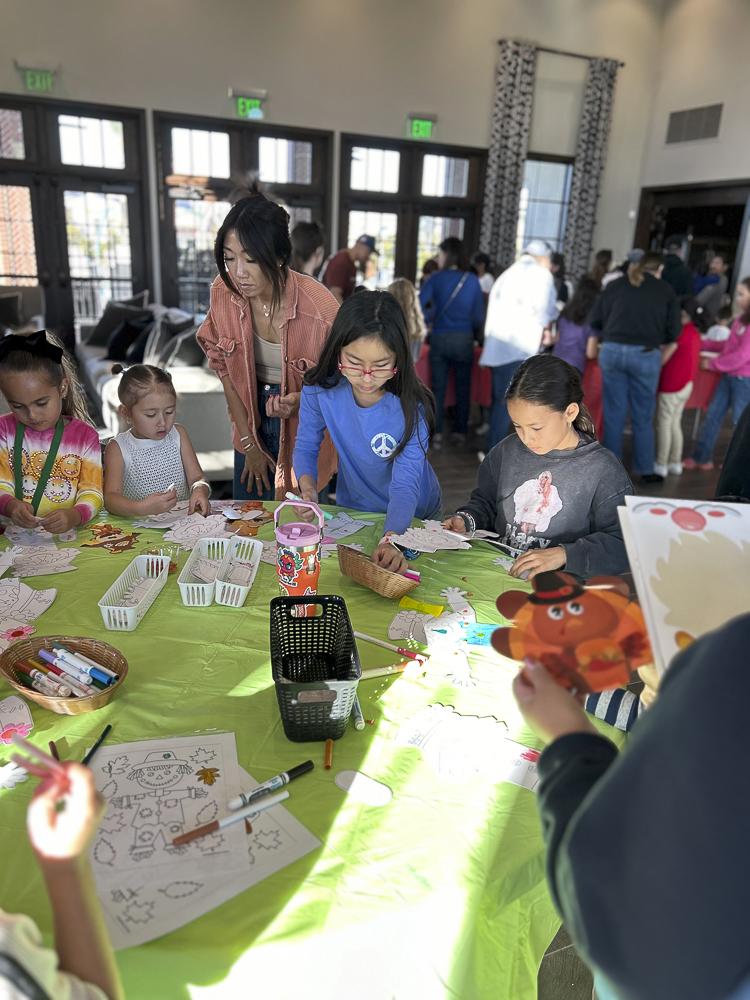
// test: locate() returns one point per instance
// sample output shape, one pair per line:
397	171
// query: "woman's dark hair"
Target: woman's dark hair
262	229
378	314
21	362
559	261
602	264
480	258
547	380
582	302
745	317
698	314
138	380
306	238
455	253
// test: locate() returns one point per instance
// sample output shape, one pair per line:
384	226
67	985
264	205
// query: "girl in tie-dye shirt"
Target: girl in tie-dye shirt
41	388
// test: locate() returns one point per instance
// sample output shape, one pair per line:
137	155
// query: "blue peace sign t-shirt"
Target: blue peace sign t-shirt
365	438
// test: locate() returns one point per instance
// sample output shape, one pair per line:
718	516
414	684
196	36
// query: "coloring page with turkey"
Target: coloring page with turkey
691	565
157	791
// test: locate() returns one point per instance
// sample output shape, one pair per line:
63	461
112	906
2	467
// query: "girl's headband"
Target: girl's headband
36	344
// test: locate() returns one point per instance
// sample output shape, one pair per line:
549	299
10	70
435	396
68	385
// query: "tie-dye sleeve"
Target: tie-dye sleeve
7	480
89	496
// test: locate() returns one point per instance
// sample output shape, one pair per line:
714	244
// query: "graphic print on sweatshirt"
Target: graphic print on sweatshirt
536	503
383	444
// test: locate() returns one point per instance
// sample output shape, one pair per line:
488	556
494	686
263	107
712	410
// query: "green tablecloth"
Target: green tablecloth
440	894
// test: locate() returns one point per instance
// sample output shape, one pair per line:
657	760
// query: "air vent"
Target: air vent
695	123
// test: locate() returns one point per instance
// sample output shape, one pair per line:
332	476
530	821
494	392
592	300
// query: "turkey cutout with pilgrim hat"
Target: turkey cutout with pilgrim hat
588	637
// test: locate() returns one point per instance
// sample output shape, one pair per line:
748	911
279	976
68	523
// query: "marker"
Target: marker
52	687
359	719
411	575
94	673
293	496
421	657
95	747
218	824
28	682
69	675
53	750
271	785
79	690
80	675
329	754
397	668
84	662
87	659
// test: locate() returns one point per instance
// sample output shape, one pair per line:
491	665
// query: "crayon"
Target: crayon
96	746
271	785
329	754
218	824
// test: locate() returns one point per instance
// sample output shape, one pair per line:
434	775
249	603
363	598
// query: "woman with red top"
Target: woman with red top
679	369
264	331
733	390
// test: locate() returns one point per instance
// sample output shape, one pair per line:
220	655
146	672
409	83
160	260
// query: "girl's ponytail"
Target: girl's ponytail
547	380
650	262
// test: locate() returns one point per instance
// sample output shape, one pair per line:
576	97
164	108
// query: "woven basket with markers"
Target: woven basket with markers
315	666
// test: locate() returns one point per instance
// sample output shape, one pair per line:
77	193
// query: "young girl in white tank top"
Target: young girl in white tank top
151	466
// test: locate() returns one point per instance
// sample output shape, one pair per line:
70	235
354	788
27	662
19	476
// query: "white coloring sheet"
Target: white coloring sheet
188	530
20	605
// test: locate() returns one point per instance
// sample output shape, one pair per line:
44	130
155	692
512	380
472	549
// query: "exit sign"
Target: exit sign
38	80
421	128
249	107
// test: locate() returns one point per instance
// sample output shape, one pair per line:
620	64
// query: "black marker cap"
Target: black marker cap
295	772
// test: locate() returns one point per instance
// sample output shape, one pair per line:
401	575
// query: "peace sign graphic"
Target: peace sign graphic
383	445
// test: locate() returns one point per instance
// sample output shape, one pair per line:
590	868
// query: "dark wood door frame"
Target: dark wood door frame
734	192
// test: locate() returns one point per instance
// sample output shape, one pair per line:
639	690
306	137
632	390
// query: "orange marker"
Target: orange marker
218	824
329	754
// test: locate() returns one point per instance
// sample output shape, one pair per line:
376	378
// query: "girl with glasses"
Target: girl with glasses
365	393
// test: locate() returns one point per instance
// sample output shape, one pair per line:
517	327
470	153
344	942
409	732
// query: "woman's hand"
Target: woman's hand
21	513
538	561
199	501
549	710
259	470
60	521
455	524
283	406
388	557
65	813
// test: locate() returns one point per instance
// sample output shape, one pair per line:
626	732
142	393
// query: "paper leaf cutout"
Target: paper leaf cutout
208	813
208	775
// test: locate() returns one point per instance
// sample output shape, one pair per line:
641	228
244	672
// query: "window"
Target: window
91	142
445	176
11	135
99	254
196	223
543	207
380	269
432	231
196	153
284	161
374	169
17	248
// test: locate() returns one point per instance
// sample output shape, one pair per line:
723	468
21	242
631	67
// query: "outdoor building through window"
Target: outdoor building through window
91	142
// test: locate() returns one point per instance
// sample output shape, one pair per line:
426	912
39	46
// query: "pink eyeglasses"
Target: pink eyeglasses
377	373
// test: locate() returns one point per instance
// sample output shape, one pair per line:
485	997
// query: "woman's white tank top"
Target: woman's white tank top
152	466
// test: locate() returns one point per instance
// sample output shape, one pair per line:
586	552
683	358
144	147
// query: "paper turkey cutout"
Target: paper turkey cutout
589	637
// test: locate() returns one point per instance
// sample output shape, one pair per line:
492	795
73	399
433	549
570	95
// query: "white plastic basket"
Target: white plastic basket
194	593
240	550
118	616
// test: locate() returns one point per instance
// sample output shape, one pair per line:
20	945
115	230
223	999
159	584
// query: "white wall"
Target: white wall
348	65
703	60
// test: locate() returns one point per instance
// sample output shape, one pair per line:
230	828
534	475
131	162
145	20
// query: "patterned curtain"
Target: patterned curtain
509	143
593	136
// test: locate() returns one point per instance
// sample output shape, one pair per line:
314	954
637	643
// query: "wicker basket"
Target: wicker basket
358	567
102	652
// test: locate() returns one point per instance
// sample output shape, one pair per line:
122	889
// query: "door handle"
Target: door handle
63	279
44	279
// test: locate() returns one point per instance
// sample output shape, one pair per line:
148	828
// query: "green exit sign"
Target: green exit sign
249	107
38	80
421	128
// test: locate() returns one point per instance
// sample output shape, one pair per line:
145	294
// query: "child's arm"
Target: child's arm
310	433
481	505
592	347
602	551
667	350
60	838
200	491
116	503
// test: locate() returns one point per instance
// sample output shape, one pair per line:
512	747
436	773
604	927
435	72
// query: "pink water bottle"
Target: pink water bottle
298	556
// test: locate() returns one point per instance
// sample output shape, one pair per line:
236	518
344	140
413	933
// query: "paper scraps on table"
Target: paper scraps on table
138	910
411	623
167	519
589	637
41	560
477	633
480	534
28	536
20	605
505	561
460	747
68	536
15	717
106	536
422	540
363	788
249	524
11	775
189	530
343	525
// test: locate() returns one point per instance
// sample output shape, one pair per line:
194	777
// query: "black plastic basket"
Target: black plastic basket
315	666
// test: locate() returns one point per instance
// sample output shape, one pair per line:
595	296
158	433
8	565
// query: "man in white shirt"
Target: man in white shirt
522	304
